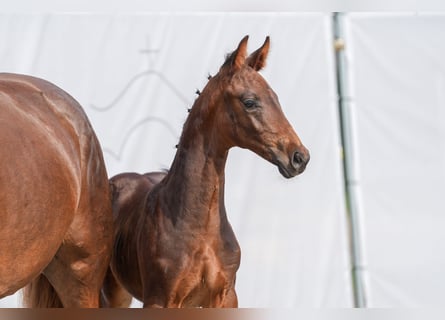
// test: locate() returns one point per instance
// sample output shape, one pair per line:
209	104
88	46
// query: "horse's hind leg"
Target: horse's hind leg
78	269
76	276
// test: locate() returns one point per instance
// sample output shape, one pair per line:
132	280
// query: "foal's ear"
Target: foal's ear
238	57
257	60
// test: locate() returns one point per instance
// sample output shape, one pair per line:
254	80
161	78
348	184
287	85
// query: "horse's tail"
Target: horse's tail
41	294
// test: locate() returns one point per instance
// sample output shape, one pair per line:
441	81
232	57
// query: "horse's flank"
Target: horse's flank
54	199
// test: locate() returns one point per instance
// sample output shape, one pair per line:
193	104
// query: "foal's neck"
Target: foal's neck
194	186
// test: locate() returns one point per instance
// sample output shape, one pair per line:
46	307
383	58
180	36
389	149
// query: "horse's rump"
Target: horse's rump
51	162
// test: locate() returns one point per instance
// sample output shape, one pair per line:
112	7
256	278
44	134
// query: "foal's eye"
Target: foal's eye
250	103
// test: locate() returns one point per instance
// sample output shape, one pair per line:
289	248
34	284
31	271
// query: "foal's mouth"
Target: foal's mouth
288	171
285	172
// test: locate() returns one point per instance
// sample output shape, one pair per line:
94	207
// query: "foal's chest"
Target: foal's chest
205	277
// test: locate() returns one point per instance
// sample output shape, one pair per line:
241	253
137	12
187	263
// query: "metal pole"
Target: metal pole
350	170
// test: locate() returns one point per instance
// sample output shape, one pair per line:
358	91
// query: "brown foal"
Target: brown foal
174	245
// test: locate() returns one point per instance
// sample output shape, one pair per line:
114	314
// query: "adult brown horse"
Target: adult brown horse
174	246
56	222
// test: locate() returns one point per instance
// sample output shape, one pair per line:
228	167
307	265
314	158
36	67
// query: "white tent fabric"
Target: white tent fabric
136	74
397	76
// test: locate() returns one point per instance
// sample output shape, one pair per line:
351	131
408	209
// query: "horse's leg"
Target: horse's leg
230	300
78	270
71	278
113	294
157	301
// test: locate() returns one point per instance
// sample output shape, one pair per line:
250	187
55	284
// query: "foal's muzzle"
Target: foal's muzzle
295	164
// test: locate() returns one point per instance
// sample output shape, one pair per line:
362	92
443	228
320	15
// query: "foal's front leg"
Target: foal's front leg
225	299
155	293
230	300
161	300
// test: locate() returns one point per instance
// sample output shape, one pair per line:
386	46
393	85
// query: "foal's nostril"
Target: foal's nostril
299	159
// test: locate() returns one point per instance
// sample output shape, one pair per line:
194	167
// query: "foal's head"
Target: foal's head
247	113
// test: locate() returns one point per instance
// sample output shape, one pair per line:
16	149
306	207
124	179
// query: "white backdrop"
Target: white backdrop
397	69
136	74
